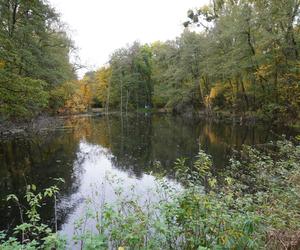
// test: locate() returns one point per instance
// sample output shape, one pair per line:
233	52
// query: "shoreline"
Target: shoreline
45	123
35	125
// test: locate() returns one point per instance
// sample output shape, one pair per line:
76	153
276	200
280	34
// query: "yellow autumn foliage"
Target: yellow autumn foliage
78	97
2	64
102	83
216	90
263	71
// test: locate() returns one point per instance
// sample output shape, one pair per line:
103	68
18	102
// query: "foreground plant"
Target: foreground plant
32	233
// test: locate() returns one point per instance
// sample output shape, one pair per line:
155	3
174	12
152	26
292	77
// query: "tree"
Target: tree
244	60
34	52
253	51
131	83
103	86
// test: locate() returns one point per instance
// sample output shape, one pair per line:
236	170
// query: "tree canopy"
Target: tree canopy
34	56
244	59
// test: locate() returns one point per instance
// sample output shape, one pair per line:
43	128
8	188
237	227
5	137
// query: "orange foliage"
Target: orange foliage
79	98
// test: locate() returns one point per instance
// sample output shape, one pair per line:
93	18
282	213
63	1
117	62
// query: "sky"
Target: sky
99	27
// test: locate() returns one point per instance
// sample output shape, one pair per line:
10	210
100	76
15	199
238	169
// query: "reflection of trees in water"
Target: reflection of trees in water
143	140
139	141
131	145
135	144
218	139
37	160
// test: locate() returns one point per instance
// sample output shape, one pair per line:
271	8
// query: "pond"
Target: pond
135	149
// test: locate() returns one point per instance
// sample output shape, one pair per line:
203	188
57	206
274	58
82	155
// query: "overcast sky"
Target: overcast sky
101	26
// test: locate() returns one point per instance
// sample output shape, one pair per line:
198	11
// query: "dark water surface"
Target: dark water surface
86	148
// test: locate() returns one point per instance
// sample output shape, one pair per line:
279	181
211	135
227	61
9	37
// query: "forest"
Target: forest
131	162
236	57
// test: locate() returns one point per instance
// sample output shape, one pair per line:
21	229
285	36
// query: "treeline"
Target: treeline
245	60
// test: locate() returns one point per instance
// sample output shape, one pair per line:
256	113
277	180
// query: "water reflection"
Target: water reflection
98	172
87	147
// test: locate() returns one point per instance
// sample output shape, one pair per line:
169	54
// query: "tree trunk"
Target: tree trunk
121	98
245	95
107	100
14	17
127	97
